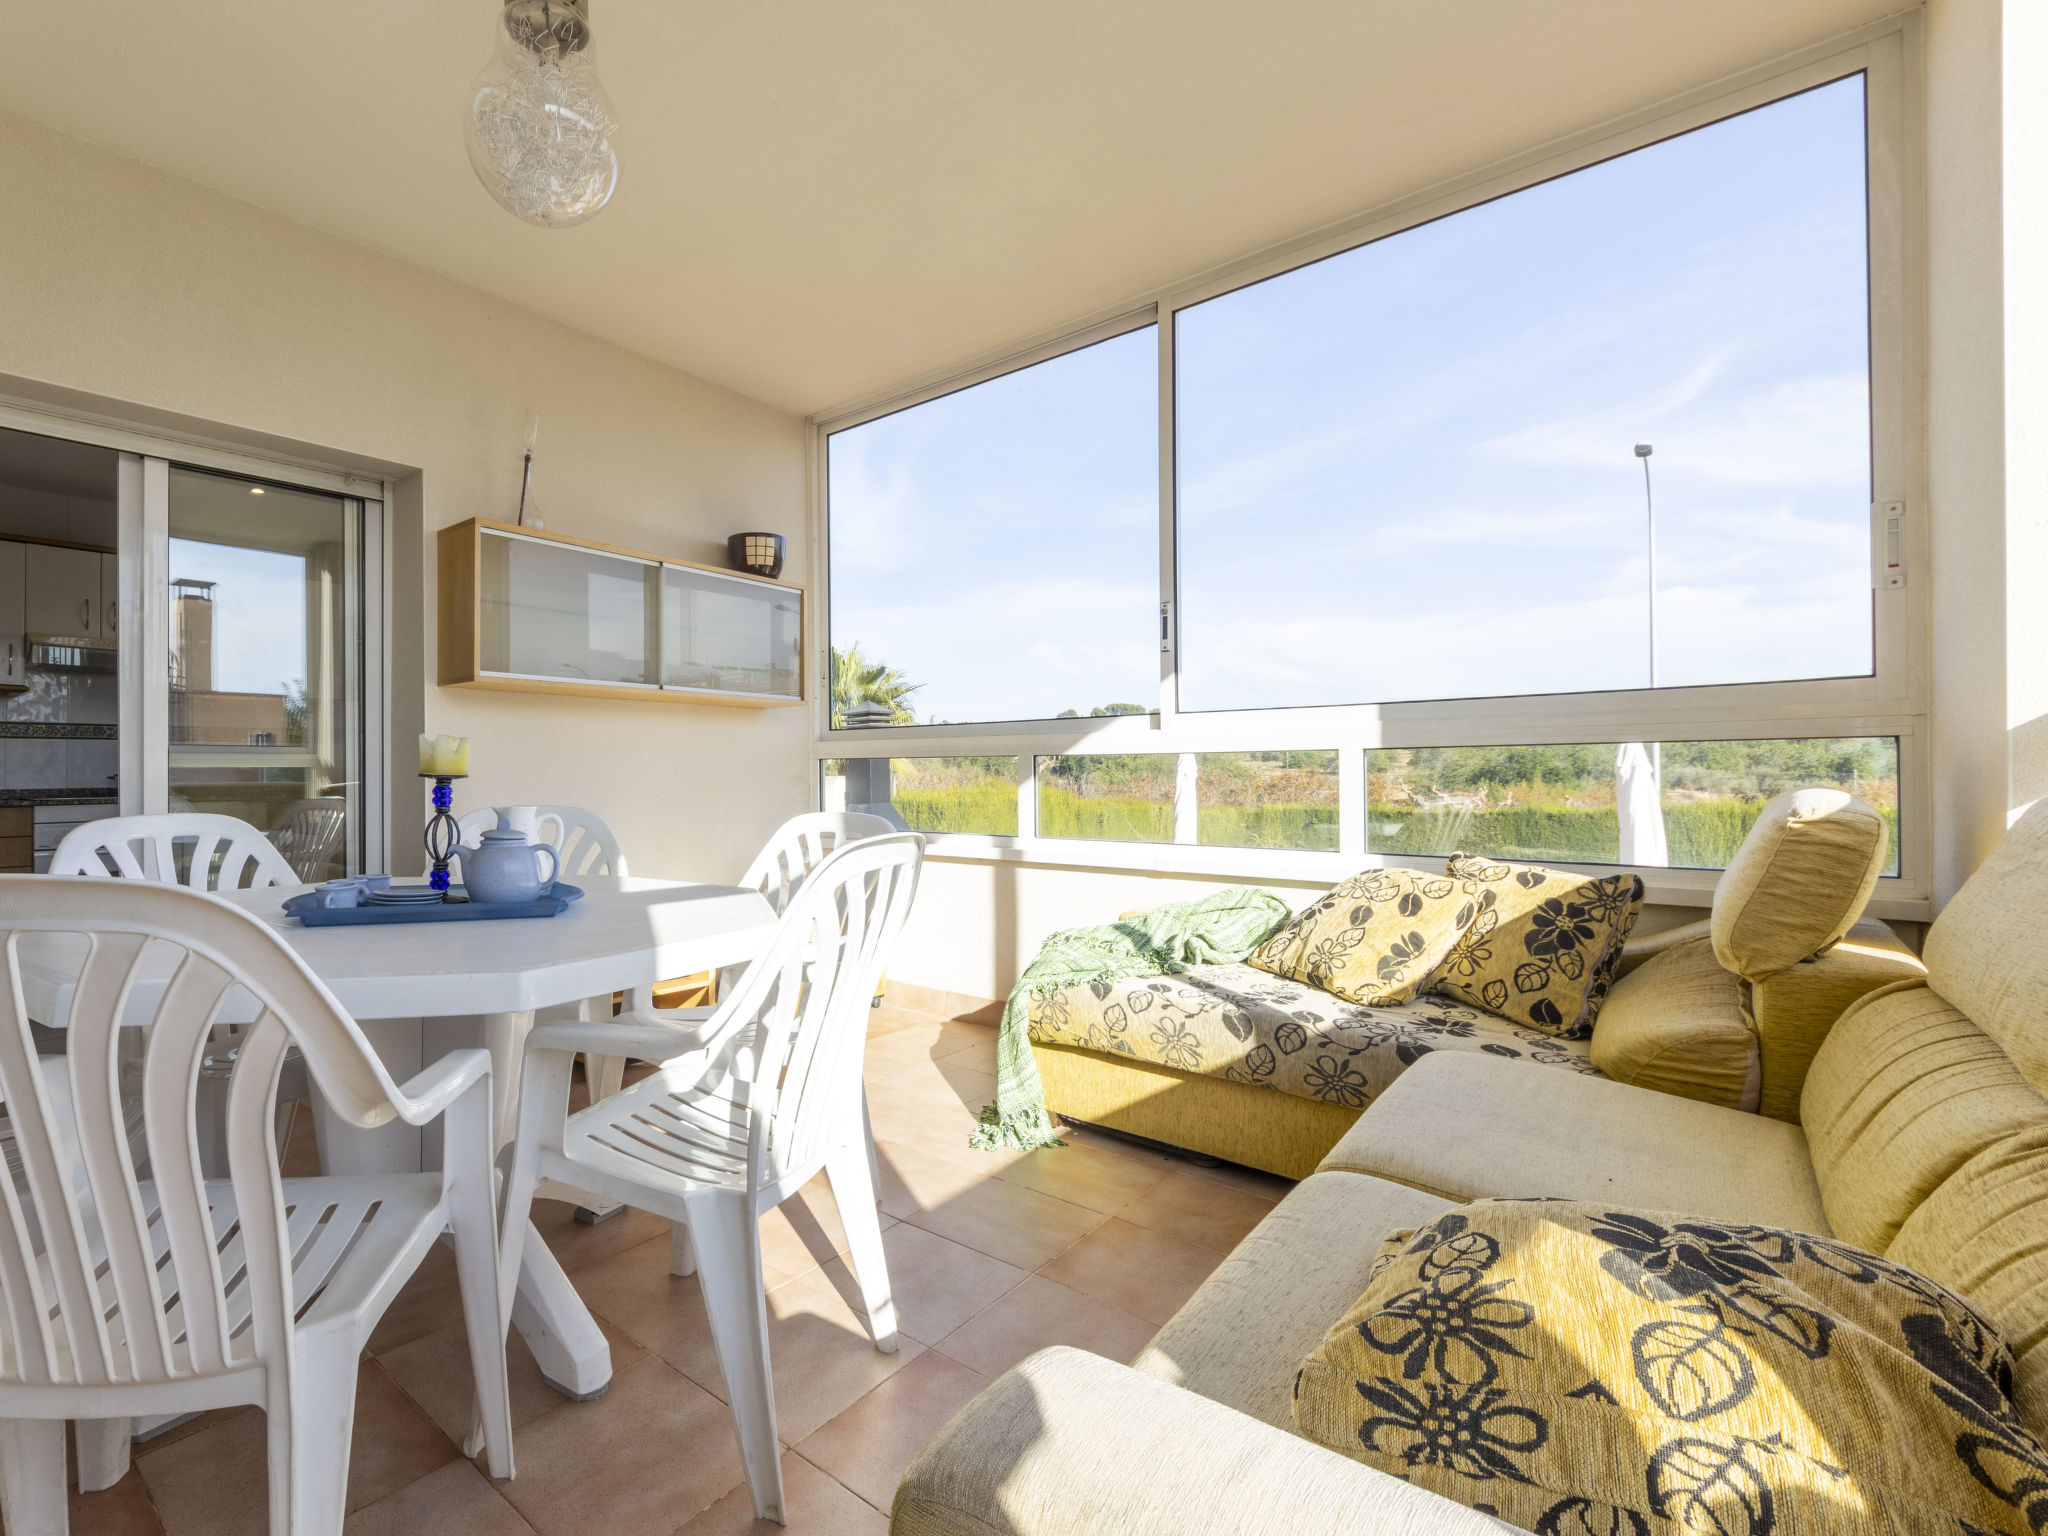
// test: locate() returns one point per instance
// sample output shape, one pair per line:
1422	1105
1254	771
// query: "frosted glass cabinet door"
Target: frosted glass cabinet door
730	634
559	611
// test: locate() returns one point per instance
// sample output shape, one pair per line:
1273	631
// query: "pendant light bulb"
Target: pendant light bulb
539	129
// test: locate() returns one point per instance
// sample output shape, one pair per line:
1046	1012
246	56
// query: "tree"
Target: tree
856	680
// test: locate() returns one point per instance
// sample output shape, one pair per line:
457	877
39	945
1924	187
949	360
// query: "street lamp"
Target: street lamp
1643	452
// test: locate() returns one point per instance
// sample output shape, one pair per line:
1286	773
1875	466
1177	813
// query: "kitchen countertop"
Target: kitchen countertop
16	798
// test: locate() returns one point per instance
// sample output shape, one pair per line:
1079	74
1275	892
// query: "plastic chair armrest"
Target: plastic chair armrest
427	1095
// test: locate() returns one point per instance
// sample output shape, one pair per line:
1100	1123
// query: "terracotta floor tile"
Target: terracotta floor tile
868	1446
948	1078
430	1301
301	1158
940	1131
213	1483
649	1455
1101	1180
937	1284
974	1046
1147	1274
1199	1211
122	1510
1109	1141
928	1041
1037	1314
457	1500
914	1178
191	1426
1009	1222
395	1441
435	1373
818	1348
634	1292
887	1021
814	1503
1255	1180
804	1231
576	1245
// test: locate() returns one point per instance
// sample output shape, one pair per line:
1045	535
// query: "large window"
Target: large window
1572	805
1410	471
995	552
1618	447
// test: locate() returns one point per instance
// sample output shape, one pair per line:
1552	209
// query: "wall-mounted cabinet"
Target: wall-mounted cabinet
541	613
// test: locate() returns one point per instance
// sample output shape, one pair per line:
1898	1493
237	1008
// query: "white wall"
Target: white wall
1987	259
151	298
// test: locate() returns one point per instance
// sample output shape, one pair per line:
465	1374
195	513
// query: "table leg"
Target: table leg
572	1353
566	1341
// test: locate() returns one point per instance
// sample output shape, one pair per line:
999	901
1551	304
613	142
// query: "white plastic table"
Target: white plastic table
420	990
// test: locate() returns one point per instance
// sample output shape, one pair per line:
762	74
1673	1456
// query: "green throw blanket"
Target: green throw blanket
1216	930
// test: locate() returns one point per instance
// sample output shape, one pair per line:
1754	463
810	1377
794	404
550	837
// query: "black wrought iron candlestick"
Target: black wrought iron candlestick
442	832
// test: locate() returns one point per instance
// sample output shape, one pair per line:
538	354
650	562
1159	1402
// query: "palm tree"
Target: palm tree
856	680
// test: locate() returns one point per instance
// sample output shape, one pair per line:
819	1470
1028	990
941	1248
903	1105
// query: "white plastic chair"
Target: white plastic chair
309	835
189	848
778	872
124	1297
582	840
738	1116
584	844
205	853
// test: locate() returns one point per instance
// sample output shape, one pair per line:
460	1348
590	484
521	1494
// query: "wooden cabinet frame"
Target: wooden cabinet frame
460	598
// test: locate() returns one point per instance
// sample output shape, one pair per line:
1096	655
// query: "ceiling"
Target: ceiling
822	200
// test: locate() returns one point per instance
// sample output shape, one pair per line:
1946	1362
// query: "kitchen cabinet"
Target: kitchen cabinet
64	592
110	598
541	613
13	614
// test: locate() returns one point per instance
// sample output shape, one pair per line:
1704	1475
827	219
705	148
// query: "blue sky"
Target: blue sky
259	613
1406	471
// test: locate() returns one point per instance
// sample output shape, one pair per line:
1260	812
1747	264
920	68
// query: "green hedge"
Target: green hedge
989	808
1703	835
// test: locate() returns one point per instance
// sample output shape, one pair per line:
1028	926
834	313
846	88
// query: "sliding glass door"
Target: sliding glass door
264	617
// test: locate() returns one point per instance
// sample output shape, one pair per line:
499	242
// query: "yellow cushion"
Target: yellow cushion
1577	1368
1986	953
1680	1024
1374	939
1905	1091
1800	878
1984	1232
1794	1010
1543	946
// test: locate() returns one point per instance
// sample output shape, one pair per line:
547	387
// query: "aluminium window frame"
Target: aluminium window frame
1892	701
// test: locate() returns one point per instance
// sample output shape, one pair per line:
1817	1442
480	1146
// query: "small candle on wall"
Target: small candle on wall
444	756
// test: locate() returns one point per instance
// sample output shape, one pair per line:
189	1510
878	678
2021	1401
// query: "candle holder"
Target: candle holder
442	833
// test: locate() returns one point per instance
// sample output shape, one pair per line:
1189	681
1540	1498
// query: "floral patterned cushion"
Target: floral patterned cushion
1235	1022
1374	939
1542	947
1569	1367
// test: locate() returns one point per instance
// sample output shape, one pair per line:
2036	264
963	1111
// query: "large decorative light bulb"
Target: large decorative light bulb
539	128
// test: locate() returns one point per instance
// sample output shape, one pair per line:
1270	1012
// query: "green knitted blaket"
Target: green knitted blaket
1216	930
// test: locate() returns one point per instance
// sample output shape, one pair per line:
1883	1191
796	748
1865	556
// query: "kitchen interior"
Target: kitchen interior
60	706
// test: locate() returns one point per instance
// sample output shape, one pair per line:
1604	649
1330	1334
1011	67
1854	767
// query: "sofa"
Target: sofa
1233	1062
1922	1137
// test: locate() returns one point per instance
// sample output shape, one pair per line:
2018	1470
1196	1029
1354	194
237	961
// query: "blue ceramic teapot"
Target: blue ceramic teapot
505	868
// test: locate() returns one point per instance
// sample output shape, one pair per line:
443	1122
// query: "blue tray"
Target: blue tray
460	910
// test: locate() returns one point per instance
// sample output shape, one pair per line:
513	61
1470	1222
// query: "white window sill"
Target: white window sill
1270	866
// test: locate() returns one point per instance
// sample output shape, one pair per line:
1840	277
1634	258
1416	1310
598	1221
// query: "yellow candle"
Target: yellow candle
446	756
